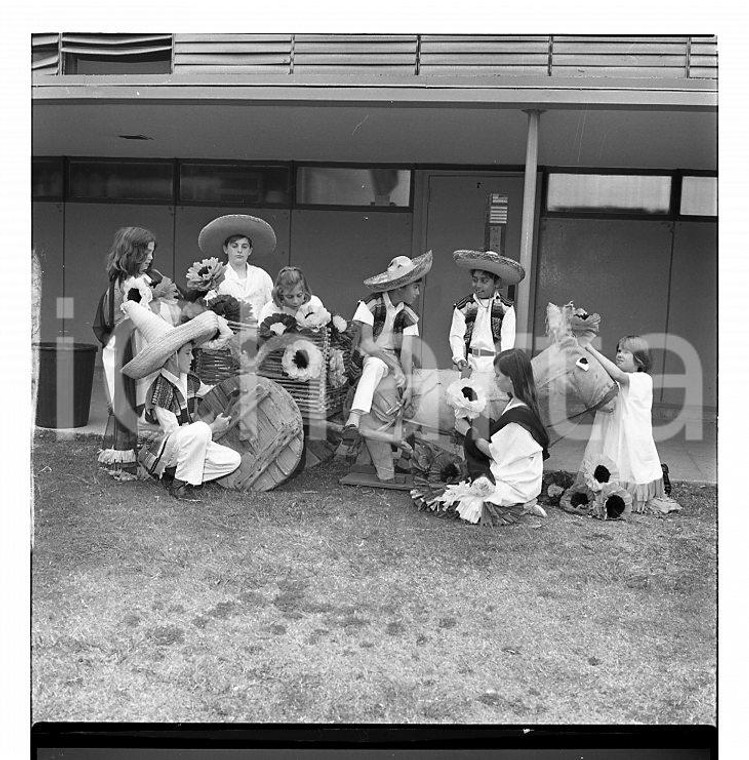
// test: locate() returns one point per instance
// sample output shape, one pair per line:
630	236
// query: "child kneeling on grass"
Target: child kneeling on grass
184	454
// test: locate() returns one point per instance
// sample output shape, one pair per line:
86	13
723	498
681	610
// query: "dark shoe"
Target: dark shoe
179	489
349	442
168	476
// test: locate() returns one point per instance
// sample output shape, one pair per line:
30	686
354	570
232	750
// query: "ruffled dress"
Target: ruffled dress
626	437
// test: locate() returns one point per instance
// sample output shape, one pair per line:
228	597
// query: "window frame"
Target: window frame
695	217
411	168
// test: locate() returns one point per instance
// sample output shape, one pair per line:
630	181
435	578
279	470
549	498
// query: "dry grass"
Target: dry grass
318	602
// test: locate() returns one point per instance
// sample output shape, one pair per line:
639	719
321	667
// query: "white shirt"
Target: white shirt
516	463
270	308
255	289
482	330
385	338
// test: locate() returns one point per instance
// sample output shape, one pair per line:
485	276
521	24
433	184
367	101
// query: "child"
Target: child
388	327
129	257
512	459
626	435
238	236
289	294
483	323
184	454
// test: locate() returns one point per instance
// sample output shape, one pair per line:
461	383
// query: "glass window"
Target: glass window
121	181
609	193
332	186
46	178
235	185
699	196
148	63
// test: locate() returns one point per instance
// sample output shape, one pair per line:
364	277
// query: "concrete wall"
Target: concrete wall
623	270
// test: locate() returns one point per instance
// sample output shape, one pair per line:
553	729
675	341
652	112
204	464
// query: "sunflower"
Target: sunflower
302	361
312	317
466	398
205	275
138	290
611	502
577	499
599	472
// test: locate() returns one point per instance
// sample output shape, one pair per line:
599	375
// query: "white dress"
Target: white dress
517	463
626	437
255	289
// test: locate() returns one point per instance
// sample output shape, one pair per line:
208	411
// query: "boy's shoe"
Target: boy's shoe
349	447
182	491
666	480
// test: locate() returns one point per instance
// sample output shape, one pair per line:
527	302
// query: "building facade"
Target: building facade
592	160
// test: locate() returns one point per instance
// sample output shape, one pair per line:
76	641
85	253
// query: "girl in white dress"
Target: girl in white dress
289	294
626	435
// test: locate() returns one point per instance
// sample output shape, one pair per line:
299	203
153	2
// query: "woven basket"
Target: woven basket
317	398
213	365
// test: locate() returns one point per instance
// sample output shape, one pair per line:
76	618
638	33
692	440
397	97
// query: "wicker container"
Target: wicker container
213	365
318	398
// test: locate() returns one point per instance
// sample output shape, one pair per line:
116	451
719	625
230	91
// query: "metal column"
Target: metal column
523	292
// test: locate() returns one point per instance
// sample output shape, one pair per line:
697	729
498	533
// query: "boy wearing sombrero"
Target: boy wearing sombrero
185	453
388	326
237	236
483	322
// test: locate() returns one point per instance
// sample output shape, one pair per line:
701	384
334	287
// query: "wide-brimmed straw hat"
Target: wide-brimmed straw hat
163	340
510	272
401	271
213	236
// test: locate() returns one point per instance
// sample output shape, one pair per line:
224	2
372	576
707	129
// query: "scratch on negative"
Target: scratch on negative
353	132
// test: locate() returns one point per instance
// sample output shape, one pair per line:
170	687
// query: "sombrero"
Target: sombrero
508	269
213	236
401	271
163	340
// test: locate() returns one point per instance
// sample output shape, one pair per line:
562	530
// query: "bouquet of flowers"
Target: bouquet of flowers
204	276
312	317
302	360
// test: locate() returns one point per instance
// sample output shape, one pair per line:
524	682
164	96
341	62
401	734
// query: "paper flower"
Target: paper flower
205	275
225	306
469	497
165	290
611	502
577	499
302	361
225	334
339	323
554	490
312	317
598	472
466	398
138	290
276	324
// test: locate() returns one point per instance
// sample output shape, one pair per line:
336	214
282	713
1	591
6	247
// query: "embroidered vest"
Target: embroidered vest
406	317
165	394
469	309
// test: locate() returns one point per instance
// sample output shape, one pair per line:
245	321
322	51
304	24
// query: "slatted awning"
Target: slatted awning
115	44
45	53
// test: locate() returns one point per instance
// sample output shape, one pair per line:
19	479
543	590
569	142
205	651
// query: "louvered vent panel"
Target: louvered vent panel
484	54
45	53
232	53
663	57
340	53
703	58
116	45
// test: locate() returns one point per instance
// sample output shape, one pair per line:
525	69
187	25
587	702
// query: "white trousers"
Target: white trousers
373	371
196	456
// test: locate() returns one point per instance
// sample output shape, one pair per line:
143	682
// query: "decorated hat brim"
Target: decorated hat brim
213	236
509	270
385	281
154	355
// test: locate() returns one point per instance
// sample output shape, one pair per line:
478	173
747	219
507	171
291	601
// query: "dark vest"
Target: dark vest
469	309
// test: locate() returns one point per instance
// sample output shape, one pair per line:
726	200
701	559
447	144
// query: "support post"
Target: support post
523	291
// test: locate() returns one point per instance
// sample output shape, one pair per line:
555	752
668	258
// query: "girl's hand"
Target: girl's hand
465	370
220	425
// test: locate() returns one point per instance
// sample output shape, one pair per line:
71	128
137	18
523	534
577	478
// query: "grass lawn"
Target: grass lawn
319	602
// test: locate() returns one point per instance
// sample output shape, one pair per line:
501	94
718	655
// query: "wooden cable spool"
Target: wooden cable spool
266	429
